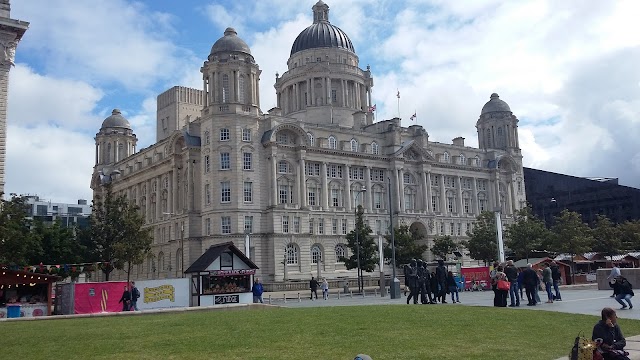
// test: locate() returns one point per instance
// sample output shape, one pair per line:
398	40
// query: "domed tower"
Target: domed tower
231	77
115	141
323	83
497	126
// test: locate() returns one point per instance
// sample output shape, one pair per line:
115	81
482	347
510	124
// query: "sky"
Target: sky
567	69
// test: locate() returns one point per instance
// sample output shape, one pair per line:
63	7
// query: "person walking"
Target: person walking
257	291
548	282
325	289
613	275
512	275
530	281
313	285
441	275
453	288
556	276
125	299
135	295
500	296
624	292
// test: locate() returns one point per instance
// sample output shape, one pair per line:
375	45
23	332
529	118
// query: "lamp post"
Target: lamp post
499	234
355	223
395	283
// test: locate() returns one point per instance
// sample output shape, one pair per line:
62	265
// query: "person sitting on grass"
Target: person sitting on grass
623	289
609	337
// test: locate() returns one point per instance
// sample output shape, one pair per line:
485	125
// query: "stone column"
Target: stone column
302	185
509	205
347	181
429	194
236	86
325	188
459	184
475	206
396	186
369	194
401	208
296	94
443	197
313	97
274	181
174	190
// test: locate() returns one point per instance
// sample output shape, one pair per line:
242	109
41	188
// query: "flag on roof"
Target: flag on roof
414	116
398	94
372	108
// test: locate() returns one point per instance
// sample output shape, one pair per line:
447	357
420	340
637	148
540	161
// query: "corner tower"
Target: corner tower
498	127
11	32
115	141
323	83
231	77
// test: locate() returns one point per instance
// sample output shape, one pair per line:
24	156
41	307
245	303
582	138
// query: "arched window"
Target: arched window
282	137
341	252
292	254
121	154
316	254
333	144
445	157
409	198
462	159
312	140
354	145
225	88
241	90
375	149
108	153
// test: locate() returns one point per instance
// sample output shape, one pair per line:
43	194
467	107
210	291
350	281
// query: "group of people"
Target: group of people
430	287
528	279
129	298
313	286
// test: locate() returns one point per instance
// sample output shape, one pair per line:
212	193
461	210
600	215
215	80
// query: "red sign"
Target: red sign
98	297
233	272
480	274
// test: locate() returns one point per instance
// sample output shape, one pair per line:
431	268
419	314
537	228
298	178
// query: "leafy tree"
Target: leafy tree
527	233
18	246
368	247
483	243
117	237
406	244
59	244
442	246
607	237
570	235
630	234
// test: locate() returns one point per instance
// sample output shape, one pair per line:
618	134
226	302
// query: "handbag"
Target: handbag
504	285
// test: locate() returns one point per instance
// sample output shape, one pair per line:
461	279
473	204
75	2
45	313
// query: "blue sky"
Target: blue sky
567	69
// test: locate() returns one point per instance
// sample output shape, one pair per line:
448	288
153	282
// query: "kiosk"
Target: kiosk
222	275
25	294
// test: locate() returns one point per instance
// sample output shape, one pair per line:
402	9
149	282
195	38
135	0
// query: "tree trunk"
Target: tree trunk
128	273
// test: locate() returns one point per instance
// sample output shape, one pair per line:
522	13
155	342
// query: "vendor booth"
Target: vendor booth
222	275
25	294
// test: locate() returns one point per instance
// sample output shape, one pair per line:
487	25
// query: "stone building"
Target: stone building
293	177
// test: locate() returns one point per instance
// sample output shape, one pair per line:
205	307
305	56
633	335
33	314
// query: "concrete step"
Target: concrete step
633	347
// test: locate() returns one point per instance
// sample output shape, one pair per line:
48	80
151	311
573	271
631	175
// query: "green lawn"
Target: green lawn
384	332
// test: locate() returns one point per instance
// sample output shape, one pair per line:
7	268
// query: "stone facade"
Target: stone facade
11	32
293	177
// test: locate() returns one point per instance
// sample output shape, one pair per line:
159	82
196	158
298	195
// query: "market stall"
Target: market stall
222	275
25	294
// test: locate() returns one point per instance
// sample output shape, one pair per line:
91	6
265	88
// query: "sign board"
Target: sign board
226	299
233	272
97	297
480	274
167	293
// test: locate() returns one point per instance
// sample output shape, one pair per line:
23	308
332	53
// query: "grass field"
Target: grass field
384	332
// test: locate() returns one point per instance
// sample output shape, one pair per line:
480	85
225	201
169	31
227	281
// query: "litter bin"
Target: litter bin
13	311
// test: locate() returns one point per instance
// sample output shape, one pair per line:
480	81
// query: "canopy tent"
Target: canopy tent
16	279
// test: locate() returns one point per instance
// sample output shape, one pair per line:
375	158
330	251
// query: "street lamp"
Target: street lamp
358	192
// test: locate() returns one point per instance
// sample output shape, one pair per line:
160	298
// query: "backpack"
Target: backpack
136	293
584	349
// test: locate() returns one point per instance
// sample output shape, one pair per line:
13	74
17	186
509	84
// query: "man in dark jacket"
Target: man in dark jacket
608	336
512	275
530	281
257	291
313	285
413	281
441	276
555	276
125	299
624	291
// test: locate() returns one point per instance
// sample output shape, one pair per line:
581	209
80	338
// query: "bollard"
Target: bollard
338	294
285	297
299	300
269	300
362	292
375	292
351	294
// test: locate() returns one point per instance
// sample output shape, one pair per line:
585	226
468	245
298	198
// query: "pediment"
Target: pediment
410	151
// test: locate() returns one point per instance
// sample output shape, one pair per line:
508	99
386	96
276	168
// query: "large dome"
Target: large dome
495	105
321	34
230	42
116	120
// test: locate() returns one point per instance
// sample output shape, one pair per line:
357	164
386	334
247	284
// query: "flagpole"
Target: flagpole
398	103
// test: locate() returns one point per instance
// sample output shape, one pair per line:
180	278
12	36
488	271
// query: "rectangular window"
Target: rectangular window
284	194
312	196
225	225
387	228
321	226
450	204
246	161
334	226
334	198
459	229
224	161
434	180
224	135
248	192
285	224
376	175
483	204
377	200
207	194
434	203
451	228
344	226
468	227
248	224
246	134
311	226
296	224
207	164
482	184
378	227
467	205
207	226
334	96
225	192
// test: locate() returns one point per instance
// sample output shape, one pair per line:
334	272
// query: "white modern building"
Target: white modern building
69	214
292	177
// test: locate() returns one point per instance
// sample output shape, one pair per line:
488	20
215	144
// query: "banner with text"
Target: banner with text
97	297
167	293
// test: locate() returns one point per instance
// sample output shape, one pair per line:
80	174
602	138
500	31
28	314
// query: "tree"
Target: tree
482	243
406	244
442	246
570	235
525	234
607	237
18	246
368	248
630	234
117	237
59	244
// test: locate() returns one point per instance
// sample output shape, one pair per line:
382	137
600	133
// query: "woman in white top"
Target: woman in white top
325	289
